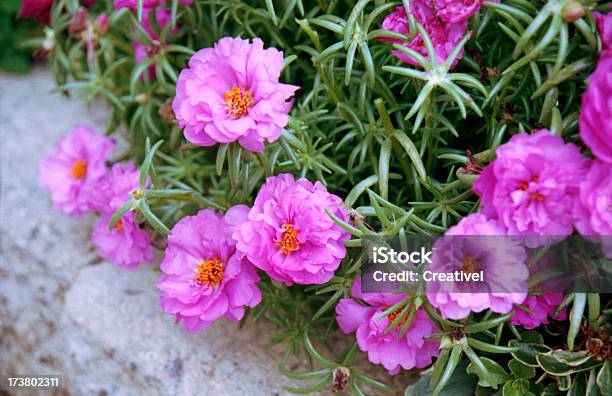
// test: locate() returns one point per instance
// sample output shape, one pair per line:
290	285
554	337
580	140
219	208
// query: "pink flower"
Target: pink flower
530	188
604	25
127	245
288	233
71	172
163	17
141	55
444	36
596	116
478	244
231	93
115	188
133	4
592	213
37	9
454	11
101	24
541	306
413	349
204	277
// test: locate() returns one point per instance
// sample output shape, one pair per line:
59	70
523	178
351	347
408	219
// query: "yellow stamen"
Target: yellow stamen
209	272
289	242
238	101
469	265
79	169
393	315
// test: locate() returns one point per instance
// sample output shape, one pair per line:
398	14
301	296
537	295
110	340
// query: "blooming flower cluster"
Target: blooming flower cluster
445	22
209	265
76	175
537	185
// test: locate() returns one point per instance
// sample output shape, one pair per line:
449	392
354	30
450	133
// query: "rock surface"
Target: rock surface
64	312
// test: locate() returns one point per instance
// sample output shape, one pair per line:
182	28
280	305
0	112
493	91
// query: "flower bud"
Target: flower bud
166	113
79	21
141	98
101	24
572	10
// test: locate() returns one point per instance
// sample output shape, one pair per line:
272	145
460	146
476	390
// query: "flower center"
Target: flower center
469	265
534	196
238	101
288	243
209	272
79	169
119	225
535	289
393	315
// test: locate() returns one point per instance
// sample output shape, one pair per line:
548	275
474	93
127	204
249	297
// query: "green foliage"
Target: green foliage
14	57
387	136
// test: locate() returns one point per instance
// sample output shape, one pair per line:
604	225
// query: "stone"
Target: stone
110	311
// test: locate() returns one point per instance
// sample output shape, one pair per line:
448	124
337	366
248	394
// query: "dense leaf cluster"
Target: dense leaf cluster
394	140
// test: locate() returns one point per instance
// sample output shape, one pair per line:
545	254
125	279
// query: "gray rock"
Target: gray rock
111	312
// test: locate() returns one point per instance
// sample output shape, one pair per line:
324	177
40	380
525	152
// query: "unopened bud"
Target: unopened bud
141	98
101	24
166	113
79	21
572	11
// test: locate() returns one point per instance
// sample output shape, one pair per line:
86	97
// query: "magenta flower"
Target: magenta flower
204	277
604	25
478	244
127	245
133	4
142	52
542	307
115	188
444	36
231	93
530	188
71	172
37	9
592	213
413	349
596	115
288	233
455	11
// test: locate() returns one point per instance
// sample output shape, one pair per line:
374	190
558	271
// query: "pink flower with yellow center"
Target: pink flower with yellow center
289	234
204	276
413	349
127	244
231	92
72	170
531	186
